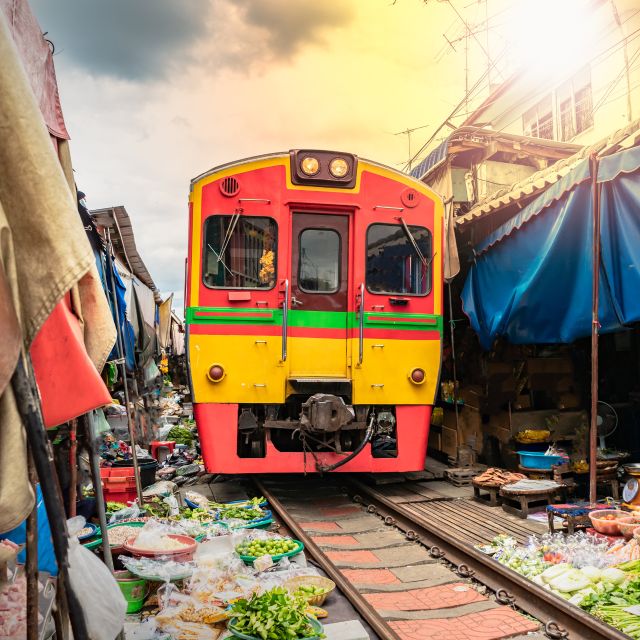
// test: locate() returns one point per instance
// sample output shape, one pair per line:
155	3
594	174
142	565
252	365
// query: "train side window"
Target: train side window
240	252
393	264
319	262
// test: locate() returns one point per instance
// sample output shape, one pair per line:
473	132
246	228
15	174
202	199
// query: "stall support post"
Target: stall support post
97	488
73	467
32	558
123	369
595	327
28	401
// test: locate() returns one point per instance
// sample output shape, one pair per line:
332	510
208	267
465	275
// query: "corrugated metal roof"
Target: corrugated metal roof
124	244
480	136
525	190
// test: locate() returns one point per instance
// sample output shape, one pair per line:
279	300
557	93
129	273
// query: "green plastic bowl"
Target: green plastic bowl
289	554
317	627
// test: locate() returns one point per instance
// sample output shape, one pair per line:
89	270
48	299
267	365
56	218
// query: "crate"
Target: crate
118	484
461	476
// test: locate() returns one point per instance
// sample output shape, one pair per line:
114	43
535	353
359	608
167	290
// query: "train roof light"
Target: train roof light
310	165
339	167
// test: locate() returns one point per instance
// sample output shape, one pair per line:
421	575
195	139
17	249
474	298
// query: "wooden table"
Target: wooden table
486	493
522	502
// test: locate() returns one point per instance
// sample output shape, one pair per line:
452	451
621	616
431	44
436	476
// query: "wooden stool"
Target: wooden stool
576	515
528	500
486	493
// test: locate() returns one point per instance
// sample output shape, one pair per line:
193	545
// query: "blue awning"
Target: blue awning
531	281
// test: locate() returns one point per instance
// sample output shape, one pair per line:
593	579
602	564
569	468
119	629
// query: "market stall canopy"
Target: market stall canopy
117	220
532	278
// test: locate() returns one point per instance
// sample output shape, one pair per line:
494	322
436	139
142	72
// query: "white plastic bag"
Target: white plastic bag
96	589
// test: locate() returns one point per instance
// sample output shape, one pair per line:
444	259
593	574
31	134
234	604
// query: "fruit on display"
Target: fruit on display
266	547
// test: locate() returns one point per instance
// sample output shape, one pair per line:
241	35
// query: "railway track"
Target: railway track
409	576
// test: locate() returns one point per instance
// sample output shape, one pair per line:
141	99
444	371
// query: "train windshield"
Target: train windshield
394	265
240	252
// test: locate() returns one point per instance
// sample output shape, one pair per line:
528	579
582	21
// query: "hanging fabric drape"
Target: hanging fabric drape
531	281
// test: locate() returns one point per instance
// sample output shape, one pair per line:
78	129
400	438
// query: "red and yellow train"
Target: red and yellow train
314	314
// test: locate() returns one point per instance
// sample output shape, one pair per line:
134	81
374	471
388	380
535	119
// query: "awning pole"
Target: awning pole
595	326
123	369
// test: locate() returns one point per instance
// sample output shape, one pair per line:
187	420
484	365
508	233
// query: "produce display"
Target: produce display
498	477
164	543
588	571
274	615
240	513
119	535
266	547
309	590
85	531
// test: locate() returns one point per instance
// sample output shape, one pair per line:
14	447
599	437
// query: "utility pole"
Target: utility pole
408	132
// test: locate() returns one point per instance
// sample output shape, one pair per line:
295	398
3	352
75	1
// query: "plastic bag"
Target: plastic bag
152	569
95	588
100	423
162	488
129	513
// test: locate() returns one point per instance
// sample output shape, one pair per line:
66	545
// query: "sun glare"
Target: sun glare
549	35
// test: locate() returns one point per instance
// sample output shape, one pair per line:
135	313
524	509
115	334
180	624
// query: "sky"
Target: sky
155	92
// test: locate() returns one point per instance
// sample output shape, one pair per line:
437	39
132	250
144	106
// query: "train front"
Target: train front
314	314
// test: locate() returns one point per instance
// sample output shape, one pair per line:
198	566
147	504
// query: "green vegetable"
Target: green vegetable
180	435
613	575
266	547
240	513
274	615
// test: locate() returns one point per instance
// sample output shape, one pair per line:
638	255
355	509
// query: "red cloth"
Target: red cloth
68	381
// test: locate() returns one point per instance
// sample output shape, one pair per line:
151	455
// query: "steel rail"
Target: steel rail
377	623
560	619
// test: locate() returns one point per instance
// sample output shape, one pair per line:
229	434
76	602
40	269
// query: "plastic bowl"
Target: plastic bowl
292	584
184	554
628	526
538	460
608	527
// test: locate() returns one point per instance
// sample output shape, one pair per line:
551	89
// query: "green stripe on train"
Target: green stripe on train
314	319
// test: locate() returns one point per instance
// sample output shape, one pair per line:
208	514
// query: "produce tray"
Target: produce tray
317	627
289	554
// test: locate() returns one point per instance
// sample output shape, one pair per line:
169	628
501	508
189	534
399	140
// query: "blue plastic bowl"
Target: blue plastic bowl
537	460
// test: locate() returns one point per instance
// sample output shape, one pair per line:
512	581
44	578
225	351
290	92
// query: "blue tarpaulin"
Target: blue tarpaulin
532	278
128	336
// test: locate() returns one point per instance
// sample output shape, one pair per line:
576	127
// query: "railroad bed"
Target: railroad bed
403	554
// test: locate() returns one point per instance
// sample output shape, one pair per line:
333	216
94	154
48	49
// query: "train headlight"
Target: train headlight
339	167
417	376
310	166
216	373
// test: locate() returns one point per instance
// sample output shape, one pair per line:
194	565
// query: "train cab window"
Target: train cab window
319	267
393	264
239	252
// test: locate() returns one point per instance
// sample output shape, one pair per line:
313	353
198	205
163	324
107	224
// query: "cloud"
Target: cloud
255	32
136	40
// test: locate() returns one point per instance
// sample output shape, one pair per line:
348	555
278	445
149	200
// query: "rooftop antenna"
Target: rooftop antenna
408	132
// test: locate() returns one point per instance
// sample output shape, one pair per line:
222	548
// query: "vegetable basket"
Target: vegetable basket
293	584
315	625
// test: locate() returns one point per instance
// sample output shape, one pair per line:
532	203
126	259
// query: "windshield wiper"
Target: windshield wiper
409	235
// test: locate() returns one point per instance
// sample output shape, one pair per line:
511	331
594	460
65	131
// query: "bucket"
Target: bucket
133	589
